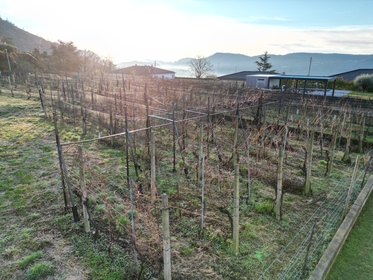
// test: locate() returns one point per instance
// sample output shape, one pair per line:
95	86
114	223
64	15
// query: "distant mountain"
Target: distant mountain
22	39
293	63
224	63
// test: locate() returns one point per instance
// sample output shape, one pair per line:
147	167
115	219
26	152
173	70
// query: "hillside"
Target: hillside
292	63
23	40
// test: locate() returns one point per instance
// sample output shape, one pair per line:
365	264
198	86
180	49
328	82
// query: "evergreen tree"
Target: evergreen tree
263	64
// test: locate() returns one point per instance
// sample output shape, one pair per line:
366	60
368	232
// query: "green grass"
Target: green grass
363	95
355	261
30	259
40	271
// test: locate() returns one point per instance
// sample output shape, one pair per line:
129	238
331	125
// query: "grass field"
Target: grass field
355	261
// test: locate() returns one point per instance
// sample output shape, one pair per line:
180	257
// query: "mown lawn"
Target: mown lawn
355	261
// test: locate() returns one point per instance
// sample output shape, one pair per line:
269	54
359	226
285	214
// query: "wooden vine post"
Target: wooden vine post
236	213
203	194
307	183
346	155
361	135
166	238
331	153
279	194
83	189
352	184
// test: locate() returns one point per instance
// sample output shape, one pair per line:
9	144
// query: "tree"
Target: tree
263	64
200	67
364	81
66	57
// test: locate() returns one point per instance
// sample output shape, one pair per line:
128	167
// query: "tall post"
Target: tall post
87	227
166	238
59	149
203	193
152	168
235	152
352	184
279	193
332	152
173	137
236	213
361	134
199	173
307	186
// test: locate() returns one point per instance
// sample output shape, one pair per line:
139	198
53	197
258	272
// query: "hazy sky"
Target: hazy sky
168	30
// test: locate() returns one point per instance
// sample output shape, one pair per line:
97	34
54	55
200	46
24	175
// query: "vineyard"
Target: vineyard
257	182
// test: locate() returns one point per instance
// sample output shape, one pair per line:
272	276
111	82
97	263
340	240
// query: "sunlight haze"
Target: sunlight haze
170	30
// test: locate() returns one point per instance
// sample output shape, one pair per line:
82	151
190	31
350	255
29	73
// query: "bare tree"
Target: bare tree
200	67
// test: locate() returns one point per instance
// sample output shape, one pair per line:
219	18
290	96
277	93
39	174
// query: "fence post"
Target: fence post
203	193
236	200
352	183
235	152
59	149
87	227
152	168
279	182
307	184
166	238
133	227
361	134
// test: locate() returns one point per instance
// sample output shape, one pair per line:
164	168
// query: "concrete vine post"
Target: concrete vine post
152	169
199	173
235	151
166	238
236	212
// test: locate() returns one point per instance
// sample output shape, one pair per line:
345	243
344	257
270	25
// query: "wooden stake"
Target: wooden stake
83	189
307	184
352	184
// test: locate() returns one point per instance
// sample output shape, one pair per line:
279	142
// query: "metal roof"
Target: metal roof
295	77
241	75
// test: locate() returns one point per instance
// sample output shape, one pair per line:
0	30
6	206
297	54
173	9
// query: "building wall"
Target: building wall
164	76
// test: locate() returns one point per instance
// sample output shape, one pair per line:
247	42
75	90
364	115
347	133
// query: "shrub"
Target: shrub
364	82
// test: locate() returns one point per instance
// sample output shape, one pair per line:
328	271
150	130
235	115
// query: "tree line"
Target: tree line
63	57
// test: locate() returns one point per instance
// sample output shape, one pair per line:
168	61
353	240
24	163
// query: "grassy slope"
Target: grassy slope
30	198
355	260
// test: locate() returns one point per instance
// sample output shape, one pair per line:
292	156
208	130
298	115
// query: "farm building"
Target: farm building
149	71
241	76
351	75
276	81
